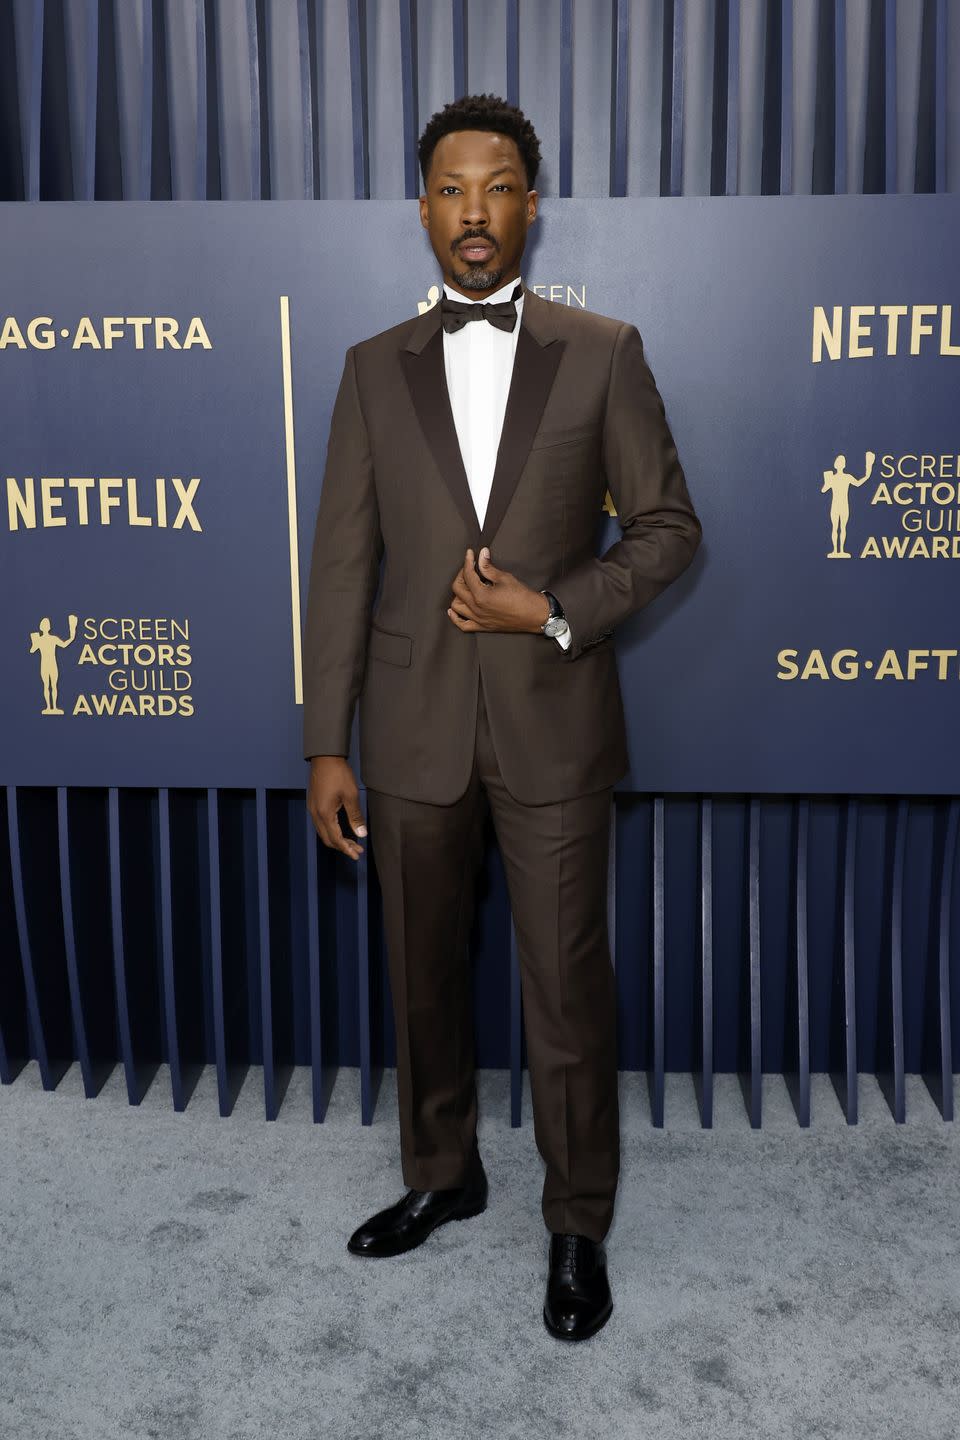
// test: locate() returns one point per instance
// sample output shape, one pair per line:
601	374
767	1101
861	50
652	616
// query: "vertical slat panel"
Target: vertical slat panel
516	1032
315	962
940	1081
358	99
13	159
109	180
93	1076
786	97
733	100
706	962
771	91
612	884
845	1082
840	98
892	1082
168	969
52	1067
754	1093
409	92
929	170
655	1078
234	969
513	52
116	930
203	100
91	66
259	130
270	1094
14	1026
673	31
940	97
801	1094
138	1070
263	92
890	94
619	130
823	155
146	102
459	35
318	1065
873	179
160	169
307	102
208	182
312	123
718	117
276	967
13	1039
565	172
35	106
224	1098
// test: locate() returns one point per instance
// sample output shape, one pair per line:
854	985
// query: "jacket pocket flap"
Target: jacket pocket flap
555	435
390	646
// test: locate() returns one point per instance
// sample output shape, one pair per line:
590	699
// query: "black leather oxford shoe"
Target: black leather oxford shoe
407	1224
578	1299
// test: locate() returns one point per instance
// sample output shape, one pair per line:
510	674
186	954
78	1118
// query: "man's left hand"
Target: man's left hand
502	603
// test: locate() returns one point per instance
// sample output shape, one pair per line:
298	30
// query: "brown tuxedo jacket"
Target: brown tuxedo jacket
583	416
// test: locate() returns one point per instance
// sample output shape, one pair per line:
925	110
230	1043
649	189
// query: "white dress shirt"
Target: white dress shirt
478	362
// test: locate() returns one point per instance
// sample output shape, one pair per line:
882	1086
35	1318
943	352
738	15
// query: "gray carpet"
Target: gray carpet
184	1277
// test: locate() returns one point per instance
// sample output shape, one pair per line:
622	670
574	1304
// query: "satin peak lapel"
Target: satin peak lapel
534	369
422	360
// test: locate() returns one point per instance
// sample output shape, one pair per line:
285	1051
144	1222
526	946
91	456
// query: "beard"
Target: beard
478	277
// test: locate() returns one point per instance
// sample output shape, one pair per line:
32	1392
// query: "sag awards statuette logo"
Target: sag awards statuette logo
141	666
838	482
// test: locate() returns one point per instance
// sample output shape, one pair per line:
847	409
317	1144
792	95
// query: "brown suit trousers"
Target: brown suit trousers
556	860
447	717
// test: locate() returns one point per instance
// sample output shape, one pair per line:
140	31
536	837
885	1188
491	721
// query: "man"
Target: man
470	451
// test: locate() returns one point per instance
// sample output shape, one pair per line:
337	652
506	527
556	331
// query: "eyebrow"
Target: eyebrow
458	174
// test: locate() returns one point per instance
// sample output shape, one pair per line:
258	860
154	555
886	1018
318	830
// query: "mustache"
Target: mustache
467	239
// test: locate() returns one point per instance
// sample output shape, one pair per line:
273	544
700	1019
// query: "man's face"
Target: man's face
477	193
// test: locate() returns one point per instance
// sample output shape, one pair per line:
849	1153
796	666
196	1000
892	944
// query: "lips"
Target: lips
475	249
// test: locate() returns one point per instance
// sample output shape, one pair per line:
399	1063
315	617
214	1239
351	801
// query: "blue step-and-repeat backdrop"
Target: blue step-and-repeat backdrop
167	373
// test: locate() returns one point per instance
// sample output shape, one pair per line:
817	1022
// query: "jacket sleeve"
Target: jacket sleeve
344	571
660	529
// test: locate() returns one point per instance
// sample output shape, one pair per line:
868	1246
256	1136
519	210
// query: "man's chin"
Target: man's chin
476	278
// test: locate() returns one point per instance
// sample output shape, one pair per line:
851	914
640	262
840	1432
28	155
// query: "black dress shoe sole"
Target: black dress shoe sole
401	1248
596	1324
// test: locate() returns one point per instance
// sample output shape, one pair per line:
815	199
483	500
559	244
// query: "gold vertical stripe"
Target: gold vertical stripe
291	500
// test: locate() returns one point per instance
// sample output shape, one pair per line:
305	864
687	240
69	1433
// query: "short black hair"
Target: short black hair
482	112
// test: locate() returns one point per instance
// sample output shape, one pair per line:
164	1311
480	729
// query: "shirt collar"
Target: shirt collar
503	293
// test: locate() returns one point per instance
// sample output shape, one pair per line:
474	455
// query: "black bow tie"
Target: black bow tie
454	313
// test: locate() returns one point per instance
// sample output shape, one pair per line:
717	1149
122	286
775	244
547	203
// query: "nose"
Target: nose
475	211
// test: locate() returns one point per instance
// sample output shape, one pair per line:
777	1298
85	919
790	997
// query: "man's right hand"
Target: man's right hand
331	786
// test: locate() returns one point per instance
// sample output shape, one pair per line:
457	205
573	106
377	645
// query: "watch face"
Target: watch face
556	627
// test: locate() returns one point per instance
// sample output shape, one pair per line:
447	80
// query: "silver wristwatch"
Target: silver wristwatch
555	623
